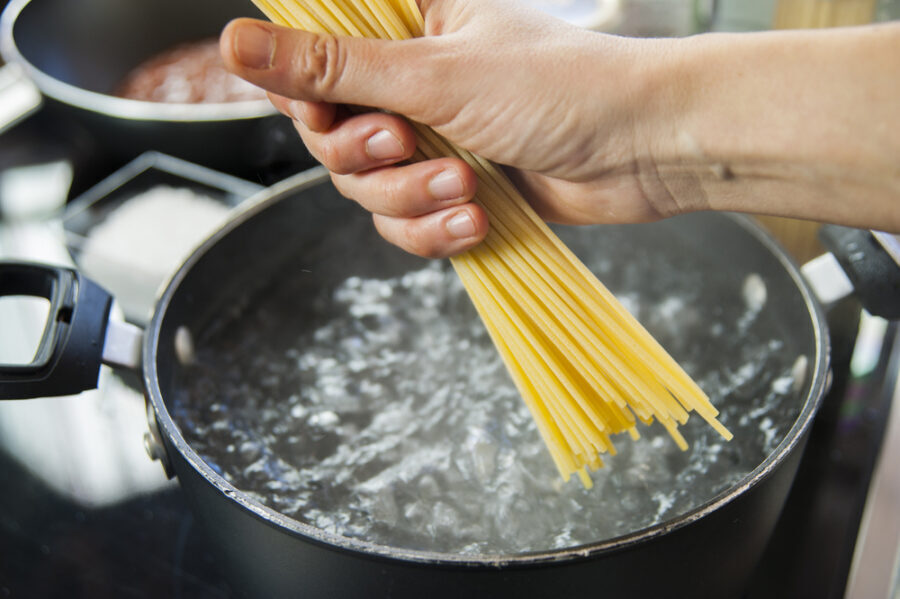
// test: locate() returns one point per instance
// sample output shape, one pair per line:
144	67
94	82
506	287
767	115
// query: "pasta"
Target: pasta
583	364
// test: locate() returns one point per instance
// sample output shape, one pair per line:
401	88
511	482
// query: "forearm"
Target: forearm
803	124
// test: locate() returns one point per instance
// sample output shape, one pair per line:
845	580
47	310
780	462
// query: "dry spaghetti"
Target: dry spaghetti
583	364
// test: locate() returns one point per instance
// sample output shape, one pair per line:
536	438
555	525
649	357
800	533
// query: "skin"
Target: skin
592	128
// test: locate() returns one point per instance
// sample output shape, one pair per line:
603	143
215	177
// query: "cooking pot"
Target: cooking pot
77	53
741	296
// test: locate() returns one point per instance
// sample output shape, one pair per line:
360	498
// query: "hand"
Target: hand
556	104
592	128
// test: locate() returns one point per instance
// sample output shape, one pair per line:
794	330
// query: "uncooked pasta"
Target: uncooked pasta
583	364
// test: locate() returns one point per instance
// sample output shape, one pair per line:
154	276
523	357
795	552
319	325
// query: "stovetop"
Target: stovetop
145	546
84	513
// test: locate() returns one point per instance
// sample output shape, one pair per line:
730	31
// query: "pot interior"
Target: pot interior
351	387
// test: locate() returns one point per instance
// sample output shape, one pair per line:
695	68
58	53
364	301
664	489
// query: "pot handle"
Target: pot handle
70	351
869	265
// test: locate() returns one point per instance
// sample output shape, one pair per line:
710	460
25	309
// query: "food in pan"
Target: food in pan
189	73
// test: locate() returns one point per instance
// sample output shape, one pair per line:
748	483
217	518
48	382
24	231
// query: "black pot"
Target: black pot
709	550
77	53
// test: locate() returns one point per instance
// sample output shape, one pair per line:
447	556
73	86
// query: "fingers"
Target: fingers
317	116
421	207
361	142
424	207
322	68
436	235
412	190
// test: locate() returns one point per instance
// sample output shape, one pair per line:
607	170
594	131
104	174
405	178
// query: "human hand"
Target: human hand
557	105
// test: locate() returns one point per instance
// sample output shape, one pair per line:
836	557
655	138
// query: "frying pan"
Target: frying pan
77	53
298	240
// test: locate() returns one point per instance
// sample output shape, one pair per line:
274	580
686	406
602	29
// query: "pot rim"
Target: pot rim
292	185
123	108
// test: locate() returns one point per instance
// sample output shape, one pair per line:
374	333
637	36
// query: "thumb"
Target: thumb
323	68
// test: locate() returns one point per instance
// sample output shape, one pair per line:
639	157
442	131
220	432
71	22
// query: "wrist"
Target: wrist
722	133
788	123
668	158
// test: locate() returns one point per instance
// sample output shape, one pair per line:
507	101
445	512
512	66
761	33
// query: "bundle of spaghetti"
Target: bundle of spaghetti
812	14
583	364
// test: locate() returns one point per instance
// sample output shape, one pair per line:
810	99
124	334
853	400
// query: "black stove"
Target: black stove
141	541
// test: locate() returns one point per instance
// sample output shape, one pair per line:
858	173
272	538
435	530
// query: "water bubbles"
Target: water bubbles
783	384
479	455
324	419
754	292
388	416
184	346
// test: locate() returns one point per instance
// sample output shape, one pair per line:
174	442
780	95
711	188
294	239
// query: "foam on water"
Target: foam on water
384	413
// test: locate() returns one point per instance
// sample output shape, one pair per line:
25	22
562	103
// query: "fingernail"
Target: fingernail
446	186
254	47
461	226
384	145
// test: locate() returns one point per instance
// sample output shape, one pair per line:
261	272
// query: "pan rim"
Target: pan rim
795	435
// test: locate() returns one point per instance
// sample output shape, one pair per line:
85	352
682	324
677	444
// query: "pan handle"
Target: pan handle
70	351
867	261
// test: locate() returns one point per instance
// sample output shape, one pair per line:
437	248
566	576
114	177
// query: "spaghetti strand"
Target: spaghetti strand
584	366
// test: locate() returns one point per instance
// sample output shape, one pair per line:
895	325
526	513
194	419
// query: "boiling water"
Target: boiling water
378	409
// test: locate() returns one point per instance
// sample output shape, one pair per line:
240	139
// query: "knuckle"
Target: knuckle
328	156
333	157
407	235
393	197
420	241
321	61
